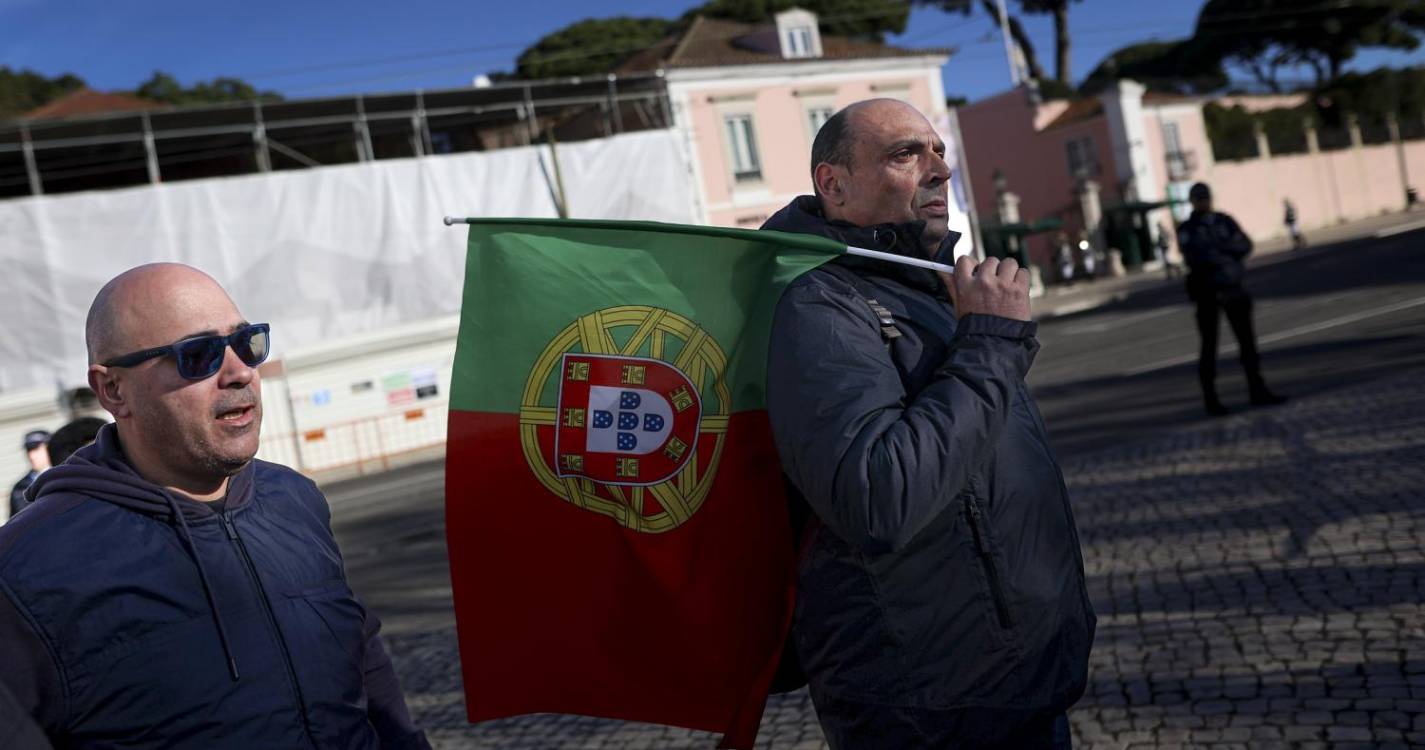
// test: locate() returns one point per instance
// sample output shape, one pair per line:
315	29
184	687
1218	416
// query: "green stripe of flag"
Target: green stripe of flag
526	280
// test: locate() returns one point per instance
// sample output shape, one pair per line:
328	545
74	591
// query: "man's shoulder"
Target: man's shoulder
834	283
272	480
266	472
59	521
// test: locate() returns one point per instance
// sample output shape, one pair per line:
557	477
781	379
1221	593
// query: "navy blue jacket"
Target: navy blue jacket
133	617
1214	247
941	598
17	493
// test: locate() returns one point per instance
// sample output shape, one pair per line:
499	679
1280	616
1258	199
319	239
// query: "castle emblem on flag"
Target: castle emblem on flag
621	424
633	430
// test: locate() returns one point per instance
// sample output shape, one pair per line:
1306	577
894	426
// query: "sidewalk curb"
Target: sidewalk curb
1269	253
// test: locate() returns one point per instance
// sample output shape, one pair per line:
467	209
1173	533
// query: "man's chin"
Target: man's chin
934	234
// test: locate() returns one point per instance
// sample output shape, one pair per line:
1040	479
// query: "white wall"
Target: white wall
321	254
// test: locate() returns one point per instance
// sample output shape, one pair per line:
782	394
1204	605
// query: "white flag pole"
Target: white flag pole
901	259
861	251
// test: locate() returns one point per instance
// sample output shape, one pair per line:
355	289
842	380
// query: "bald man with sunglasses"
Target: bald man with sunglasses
167	589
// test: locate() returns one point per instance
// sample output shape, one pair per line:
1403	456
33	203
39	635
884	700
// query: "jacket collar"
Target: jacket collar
804	215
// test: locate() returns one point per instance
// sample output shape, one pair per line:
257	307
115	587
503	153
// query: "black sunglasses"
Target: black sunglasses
201	356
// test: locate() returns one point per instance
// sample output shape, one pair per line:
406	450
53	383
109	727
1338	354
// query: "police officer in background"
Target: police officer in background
1215	247
36	442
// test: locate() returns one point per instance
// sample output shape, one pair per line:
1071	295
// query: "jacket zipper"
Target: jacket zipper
987	559
272	622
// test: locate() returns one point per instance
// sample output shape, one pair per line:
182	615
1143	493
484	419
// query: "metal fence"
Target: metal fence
362	446
164	145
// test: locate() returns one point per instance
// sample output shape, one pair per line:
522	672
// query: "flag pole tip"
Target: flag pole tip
449	221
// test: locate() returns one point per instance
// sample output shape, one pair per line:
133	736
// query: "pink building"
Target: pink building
750	98
1135	146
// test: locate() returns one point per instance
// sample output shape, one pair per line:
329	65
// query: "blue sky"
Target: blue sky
315	47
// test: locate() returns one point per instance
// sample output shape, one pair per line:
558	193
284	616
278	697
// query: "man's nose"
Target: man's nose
939	169
234	373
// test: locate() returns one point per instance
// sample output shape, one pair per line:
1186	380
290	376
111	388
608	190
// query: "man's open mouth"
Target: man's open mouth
232	415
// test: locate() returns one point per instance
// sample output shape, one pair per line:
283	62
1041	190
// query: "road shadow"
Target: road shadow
1318	270
1096	413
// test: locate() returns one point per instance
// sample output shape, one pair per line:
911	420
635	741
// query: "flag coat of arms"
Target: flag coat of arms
616	519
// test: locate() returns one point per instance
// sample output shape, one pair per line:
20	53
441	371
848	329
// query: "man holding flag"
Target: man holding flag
941	599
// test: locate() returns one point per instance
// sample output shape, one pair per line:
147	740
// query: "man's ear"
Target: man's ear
829	181
108	386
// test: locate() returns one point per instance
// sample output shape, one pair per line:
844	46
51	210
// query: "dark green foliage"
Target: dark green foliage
24	90
162	87
868	20
1176	67
1372	95
1266	35
591	46
1231	132
596	45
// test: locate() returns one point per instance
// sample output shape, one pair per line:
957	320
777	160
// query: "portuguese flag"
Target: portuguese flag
616	519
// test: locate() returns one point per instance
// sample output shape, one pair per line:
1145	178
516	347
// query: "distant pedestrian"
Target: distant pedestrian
1297	240
1215	247
1087	256
1173	270
167	589
1064	258
37	452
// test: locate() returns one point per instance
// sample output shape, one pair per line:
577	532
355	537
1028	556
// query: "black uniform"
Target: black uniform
1214	247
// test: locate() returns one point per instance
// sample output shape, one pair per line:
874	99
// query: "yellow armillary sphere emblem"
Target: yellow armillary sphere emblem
625	414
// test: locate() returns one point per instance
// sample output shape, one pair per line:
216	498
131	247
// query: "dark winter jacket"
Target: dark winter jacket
132	617
17	493
943	580
1214	247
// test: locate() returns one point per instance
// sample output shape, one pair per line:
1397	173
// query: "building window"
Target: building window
742	147
1083	161
817	116
1180	162
799	42
1172	139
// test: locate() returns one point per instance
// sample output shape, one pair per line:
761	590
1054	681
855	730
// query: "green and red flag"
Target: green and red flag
617	524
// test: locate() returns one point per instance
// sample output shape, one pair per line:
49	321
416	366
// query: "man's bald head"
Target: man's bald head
131	300
881	162
835	141
180	431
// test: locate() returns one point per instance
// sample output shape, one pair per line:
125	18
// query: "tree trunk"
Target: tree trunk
1016	31
1061	43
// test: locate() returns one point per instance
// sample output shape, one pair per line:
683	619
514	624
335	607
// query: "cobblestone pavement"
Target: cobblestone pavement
1260	582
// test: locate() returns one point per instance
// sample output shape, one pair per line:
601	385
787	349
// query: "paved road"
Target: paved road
1259	578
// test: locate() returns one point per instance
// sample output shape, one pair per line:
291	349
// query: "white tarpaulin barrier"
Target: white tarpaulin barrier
320	253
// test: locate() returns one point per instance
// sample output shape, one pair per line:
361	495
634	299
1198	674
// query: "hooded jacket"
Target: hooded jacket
133	617
941	593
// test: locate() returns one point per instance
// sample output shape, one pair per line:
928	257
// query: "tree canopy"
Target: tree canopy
162	87
591	46
867	20
1178	67
594	46
24	90
1264	36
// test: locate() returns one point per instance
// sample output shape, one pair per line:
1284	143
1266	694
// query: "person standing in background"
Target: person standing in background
37	450
1215	247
